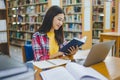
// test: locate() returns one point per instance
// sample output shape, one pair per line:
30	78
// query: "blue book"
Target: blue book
74	42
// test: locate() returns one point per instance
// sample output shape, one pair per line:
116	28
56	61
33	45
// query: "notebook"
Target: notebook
97	53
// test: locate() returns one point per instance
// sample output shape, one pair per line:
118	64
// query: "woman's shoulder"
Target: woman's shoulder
38	34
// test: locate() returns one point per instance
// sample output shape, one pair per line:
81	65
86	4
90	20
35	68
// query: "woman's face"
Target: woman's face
58	21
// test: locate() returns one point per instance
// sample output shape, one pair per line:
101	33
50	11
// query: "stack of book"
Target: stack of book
14	70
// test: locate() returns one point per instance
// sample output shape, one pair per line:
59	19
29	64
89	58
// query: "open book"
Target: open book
72	71
50	63
74	42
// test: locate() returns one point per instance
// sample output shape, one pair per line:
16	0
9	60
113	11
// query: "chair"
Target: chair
28	52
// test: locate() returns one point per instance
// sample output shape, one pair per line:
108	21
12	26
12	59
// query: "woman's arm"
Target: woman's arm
40	52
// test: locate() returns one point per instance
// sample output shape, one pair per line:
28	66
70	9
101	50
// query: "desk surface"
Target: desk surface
111	33
109	68
112	36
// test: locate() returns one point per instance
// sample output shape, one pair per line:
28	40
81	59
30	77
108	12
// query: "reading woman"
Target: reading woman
47	41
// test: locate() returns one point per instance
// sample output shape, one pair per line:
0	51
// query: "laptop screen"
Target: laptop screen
98	52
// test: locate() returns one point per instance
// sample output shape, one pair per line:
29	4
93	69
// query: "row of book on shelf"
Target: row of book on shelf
25	2
29	9
24	27
26	18
98	2
68	2
73	18
39	18
18	35
73	27
72	9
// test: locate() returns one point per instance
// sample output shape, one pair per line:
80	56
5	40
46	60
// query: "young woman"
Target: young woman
47	41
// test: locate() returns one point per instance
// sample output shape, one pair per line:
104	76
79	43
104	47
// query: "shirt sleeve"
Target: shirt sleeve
38	49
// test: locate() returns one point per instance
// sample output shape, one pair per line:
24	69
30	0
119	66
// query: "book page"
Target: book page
83	73
59	61
50	63
58	73
83	39
43	64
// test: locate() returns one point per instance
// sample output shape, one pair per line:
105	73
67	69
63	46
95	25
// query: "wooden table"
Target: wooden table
110	68
112	36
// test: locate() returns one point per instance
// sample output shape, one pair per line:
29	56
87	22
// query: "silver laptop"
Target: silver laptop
97	53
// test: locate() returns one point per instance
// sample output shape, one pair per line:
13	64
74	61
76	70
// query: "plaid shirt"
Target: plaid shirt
40	45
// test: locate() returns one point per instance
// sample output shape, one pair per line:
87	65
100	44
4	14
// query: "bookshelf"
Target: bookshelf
117	16
77	13
101	18
3	28
24	18
113	2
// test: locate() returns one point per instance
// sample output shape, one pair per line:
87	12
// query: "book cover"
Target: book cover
72	71
74	42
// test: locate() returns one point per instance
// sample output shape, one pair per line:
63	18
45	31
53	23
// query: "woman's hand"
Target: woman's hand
73	50
56	55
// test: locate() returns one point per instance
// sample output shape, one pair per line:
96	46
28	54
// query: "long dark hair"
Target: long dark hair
48	22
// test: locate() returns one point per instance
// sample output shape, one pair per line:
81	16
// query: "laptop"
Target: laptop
97	53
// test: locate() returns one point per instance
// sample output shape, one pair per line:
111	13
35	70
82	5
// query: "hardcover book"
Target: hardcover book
74	42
